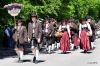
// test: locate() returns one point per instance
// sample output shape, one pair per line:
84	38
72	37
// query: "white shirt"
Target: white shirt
33	27
85	25
65	26
46	28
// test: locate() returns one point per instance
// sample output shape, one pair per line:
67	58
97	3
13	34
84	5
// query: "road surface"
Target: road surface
73	58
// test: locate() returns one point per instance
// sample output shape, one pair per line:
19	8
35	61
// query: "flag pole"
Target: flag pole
14	20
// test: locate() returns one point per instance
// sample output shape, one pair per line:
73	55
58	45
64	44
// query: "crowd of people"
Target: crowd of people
66	35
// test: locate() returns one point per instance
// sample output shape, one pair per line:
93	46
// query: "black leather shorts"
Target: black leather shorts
20	46
34	42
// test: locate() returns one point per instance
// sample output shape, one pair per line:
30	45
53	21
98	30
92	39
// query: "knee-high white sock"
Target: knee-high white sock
58	45
72	46
37	54
33	52
92	44
46	47
49	48
53	46
32	47
18	56
21	55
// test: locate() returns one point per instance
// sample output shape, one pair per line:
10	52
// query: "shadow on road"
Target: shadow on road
86	52
40	61
4	53
64	53
28	60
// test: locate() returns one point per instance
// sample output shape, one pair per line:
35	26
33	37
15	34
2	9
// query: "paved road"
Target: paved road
74	58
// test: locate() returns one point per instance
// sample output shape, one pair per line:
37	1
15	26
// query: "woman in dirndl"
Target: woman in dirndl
65	39
84	33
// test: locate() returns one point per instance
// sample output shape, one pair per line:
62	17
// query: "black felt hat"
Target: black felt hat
34	15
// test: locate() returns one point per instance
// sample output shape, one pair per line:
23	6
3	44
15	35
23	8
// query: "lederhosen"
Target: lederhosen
18	44
46	37
92	38
33	39
53	37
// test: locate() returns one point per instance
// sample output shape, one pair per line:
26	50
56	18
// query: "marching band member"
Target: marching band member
20	37
34	35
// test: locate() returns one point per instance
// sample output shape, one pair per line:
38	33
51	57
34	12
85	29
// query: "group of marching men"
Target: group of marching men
49	33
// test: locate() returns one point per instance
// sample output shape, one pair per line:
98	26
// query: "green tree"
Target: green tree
54	8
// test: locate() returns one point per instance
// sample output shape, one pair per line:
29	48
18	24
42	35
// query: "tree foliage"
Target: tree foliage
54	8
59	9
